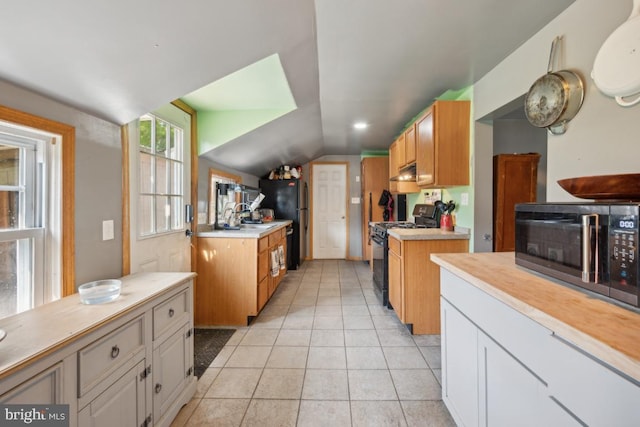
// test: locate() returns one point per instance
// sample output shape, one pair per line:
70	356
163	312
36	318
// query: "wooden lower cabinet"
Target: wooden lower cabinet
234	277
395	278
414	281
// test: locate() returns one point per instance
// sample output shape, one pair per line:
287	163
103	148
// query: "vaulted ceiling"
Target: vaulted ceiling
376	61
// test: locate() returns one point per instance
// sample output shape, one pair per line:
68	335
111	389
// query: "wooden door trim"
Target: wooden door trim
194	181
126	202
68	135
346	203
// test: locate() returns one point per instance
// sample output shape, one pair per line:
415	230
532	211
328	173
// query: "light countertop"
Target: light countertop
428	234
246	231
603	329
35	333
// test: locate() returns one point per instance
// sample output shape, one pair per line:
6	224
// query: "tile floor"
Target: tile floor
323	352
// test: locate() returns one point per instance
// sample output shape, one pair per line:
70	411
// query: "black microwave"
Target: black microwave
591	245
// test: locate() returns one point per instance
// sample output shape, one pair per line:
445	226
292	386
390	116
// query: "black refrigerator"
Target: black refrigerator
289	199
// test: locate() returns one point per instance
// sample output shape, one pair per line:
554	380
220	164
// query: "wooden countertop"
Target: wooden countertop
246	231
605	330
36	333
427	234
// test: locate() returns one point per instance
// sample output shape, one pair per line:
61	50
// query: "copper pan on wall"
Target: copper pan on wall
555	98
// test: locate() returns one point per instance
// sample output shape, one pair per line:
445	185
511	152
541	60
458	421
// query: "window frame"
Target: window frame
64	135
175	220
212	190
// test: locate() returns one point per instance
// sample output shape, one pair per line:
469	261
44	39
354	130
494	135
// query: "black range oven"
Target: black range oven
426	216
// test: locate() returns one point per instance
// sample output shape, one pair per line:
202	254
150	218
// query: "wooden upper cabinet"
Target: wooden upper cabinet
410	144
393	159
425	150
393	166
442	145
401	159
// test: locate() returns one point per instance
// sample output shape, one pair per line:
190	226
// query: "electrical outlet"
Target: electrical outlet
357	178
464	199
355	200
432	196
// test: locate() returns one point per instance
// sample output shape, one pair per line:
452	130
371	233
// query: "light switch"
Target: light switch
107	230
357	178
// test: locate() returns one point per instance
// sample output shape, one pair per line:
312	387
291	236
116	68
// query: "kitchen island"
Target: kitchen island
238	271
414	281
521	349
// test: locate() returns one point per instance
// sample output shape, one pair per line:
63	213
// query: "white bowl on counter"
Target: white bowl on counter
100	291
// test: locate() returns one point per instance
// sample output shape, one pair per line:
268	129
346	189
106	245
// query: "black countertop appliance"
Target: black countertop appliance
289	199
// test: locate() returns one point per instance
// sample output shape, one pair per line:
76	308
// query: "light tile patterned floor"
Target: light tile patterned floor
323	352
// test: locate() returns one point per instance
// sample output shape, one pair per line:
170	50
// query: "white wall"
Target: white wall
601	129
600	140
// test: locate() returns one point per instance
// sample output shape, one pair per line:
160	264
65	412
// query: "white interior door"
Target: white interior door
168	250
329	189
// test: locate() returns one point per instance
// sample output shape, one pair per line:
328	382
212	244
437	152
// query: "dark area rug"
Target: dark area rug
206	346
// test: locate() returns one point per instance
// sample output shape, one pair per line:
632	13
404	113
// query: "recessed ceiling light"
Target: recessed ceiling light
360	125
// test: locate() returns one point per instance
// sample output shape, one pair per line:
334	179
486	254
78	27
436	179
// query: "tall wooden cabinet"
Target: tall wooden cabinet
442	145
374	177
515	178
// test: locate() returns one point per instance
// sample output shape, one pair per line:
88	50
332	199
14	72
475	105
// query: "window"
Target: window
160	177
30	227
218	176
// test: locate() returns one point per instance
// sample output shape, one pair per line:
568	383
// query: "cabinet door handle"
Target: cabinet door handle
158	388
115	351
171	312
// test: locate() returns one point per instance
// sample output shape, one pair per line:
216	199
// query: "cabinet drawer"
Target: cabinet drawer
100	359
394	246
592	391
275	237
170	314
263	243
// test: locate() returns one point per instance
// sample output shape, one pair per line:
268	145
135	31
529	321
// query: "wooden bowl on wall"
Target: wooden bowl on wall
621	187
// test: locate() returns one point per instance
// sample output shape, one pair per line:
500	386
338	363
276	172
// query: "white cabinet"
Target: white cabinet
111	355
132	367
121	404
43	388
510	394
501	368
590	390
172	369
459	344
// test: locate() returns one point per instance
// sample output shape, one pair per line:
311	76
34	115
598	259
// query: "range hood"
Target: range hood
407	173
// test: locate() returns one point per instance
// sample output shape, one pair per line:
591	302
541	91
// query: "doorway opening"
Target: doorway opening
504	131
